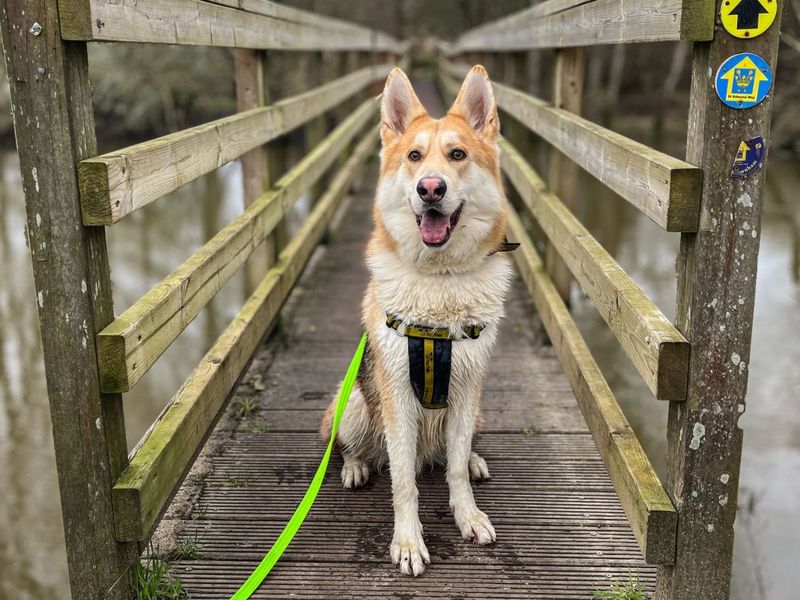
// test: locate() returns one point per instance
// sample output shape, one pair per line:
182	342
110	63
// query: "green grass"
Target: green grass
245	406
188	548
152	581
238	481
201	513
632	589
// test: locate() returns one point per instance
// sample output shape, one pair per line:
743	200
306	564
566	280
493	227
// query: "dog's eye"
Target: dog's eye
415	155
458	154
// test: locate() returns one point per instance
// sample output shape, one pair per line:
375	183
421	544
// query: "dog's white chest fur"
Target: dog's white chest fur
440	300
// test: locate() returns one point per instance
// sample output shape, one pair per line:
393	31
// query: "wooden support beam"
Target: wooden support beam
646	504
664	188
131	344
657	349
716	293
258	172
256	24
54	127
164	456
568	23
118	183
564	176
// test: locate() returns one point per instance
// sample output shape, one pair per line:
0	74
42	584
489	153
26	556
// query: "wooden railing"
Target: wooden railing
685	525
111	500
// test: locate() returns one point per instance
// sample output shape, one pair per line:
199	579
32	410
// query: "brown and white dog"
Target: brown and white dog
439	217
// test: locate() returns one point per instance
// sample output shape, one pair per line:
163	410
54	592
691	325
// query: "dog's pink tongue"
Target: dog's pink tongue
433	227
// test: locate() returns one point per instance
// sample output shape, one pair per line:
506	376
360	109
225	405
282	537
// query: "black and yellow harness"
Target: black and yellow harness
430	351
430	358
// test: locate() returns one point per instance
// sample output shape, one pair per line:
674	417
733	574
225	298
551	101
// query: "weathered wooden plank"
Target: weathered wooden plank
130	345
120	182
54	128
563	175
357	579
716	293
567	23
164	455
256	24
657	349
664	188
644	500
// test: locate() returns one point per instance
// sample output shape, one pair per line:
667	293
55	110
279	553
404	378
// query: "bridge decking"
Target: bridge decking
561	530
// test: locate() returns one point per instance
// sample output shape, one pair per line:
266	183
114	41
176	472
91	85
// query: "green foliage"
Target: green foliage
152	580
238	481
188	548
632	589
245	406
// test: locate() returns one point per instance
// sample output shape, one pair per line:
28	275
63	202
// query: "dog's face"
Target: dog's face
440	198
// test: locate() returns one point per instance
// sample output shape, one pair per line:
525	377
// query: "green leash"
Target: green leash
288	533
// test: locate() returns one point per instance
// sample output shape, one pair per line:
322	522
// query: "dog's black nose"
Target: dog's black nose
431	189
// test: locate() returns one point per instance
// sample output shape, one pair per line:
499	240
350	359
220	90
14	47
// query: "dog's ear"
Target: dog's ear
399	105
475	103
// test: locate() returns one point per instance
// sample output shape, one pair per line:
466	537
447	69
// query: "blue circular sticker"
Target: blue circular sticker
743	80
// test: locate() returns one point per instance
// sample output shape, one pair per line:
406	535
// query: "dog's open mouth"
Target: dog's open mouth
435	227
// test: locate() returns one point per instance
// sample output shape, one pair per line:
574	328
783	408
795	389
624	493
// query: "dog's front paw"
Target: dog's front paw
355	473
475	527
477	467
410	553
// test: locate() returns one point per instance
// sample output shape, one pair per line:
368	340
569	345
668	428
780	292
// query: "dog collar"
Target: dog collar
505	246
430	358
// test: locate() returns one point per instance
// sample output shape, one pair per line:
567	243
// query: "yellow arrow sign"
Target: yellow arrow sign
747	18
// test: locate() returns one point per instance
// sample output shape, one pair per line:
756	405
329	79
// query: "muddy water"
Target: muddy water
153	241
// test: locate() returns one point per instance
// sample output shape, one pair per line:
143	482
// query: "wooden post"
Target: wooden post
716	289
261	166
563	173
54	127
314	131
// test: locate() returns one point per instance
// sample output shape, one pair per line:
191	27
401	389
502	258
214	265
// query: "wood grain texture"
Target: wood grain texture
563	175
163	457
118	183
646	504
656	348
256	24
132	343
716	294
568	23
54	128
664	188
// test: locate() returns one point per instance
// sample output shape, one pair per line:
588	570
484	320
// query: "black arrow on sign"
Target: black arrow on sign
748	12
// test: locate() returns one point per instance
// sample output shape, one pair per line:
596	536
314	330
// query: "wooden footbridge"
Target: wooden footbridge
574	498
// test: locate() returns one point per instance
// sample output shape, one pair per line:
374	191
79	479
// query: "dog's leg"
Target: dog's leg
354	439
407	549
473	523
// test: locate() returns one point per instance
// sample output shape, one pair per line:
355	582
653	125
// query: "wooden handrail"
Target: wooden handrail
664	188
231	23
115	184
568	23
132	343
646	504
165	454
655	346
